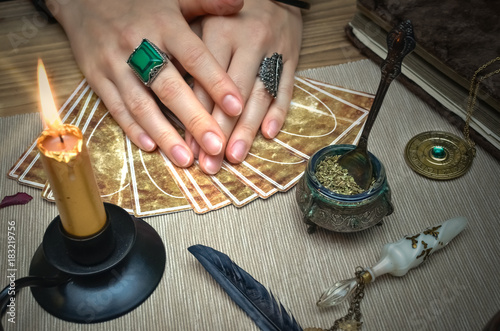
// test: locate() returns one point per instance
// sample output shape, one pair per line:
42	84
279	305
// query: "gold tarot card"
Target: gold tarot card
322	114
154	190
149	184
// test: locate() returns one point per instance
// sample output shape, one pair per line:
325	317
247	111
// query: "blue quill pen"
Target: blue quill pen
249	294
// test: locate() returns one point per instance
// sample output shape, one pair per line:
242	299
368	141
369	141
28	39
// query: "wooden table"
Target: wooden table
25	36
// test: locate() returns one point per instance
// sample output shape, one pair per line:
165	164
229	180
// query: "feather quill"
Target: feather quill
249	294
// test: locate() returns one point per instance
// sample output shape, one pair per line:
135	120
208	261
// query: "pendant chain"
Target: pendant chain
352	321
474	87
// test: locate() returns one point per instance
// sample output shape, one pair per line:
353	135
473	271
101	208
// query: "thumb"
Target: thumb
193	8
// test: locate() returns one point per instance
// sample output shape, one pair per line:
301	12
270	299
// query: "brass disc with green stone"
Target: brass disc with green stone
147	60
438	155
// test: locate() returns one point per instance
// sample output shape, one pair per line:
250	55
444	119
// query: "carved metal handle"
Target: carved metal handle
400	42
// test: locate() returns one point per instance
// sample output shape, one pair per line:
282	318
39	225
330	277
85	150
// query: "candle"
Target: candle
67	163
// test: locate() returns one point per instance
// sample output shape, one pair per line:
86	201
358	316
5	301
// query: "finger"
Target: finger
143	108
208	104
199	62
248	123
223	55
211	164
241	65
275	117
174	93
243	71
114	103
193	8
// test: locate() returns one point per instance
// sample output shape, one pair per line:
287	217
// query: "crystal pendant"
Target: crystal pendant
337	293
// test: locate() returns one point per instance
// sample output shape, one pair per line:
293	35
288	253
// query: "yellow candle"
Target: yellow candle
67	163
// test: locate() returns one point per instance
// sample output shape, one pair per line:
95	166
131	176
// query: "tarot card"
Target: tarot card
197	187
233	188
272	162
320	115
252	179
153	188
149	184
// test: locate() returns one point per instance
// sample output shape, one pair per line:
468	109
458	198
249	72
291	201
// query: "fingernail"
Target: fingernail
273	129
212	143
239	150
212	164
181	156
231	105
146	142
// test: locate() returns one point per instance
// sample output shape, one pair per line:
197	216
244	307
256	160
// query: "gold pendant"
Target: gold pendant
350	325
438	155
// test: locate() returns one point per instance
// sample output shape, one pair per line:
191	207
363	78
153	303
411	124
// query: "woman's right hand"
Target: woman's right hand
103	34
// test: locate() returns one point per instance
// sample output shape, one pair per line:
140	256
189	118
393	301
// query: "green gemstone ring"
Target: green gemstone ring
147	60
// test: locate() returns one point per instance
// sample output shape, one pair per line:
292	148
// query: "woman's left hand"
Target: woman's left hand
240	42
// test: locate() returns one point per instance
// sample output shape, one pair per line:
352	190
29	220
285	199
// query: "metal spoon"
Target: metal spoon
400	42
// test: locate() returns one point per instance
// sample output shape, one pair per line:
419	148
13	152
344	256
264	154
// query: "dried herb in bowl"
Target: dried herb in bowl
335	178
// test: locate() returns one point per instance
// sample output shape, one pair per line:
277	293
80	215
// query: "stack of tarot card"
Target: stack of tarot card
147	184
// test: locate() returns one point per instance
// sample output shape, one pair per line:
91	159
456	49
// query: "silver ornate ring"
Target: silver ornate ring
147	60
270	73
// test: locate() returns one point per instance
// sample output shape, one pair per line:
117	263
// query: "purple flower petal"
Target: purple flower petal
20	198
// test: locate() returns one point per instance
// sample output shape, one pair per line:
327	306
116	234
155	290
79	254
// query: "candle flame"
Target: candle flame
49	110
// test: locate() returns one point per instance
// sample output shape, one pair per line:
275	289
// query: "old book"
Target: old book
440	69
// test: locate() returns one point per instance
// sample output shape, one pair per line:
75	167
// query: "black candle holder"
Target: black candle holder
109	274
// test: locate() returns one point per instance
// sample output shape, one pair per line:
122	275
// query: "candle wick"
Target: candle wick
61	139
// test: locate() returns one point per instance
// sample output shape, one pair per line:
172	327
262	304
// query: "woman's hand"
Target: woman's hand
103	34
240	42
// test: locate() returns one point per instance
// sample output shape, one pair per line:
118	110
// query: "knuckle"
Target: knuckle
130	127
227	7
168	88
281	111
262	37
261	95
261	34
217	83
278	112
196	122
116	109
121	114
165	139
285	95
247	130
139	106
239	80
194	58
128	37
107	58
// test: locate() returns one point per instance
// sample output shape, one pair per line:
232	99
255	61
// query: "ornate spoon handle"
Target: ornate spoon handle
400	42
